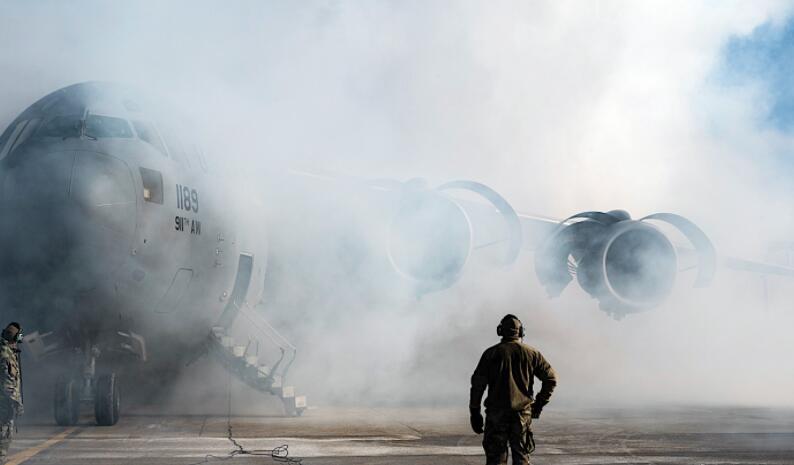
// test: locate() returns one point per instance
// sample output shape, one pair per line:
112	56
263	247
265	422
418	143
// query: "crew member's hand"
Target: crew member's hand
19	409
476	420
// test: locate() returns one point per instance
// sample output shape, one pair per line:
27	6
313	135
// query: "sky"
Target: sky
560	106
765	57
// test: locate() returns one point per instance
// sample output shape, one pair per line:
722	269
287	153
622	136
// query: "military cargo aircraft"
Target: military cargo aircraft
116	233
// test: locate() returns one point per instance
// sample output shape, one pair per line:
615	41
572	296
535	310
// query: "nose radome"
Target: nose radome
102	188
102	223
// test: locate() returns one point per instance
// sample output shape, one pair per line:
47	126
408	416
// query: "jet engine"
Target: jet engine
627	265
433	235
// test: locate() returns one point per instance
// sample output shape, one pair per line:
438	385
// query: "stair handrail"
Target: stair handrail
266	329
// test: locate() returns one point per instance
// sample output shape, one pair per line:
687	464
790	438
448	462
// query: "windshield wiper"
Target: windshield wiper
83	134
80	127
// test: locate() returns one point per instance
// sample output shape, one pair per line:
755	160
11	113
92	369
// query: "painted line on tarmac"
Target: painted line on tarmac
27	454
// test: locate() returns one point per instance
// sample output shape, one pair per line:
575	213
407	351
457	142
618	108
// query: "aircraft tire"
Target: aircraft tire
67	402
107	401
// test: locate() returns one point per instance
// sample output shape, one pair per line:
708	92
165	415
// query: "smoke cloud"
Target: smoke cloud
560	106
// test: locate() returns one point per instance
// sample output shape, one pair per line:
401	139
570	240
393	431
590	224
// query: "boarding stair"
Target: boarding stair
248	362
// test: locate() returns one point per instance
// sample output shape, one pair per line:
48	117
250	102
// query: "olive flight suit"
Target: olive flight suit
11	395
508	370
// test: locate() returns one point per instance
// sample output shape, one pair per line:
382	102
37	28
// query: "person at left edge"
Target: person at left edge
11	381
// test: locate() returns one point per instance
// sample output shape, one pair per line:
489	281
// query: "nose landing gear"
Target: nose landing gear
102	391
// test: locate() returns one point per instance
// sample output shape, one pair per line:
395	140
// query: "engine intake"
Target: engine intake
628	265
432	235
430	238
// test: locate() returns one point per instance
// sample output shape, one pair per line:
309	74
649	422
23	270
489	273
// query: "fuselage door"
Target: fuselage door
237	298
173	297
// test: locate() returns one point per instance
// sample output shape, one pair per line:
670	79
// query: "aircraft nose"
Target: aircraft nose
68	217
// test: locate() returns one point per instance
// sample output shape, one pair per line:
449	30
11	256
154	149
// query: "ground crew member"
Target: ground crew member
11	383
507	370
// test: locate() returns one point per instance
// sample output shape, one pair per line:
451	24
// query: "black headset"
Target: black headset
499	330
19	335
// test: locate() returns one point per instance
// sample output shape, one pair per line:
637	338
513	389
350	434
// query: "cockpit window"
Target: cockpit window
174	145
148	134
96	126
107	126
61	126
14	138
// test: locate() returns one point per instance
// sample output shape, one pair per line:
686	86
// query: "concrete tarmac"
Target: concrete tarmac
397	436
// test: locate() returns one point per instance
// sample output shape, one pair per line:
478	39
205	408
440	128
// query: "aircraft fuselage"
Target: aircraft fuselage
111	225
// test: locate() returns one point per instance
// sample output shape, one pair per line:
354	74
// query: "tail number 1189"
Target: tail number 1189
187	198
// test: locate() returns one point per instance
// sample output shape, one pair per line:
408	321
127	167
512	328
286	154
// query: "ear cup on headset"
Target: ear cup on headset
18	338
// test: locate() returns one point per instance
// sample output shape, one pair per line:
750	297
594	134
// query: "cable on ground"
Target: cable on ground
279	454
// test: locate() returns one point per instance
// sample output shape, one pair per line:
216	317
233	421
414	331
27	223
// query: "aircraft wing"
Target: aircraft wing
739	264
628	265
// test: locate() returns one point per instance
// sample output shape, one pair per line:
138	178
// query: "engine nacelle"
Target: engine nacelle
635	266
628	265
430	239
432	235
